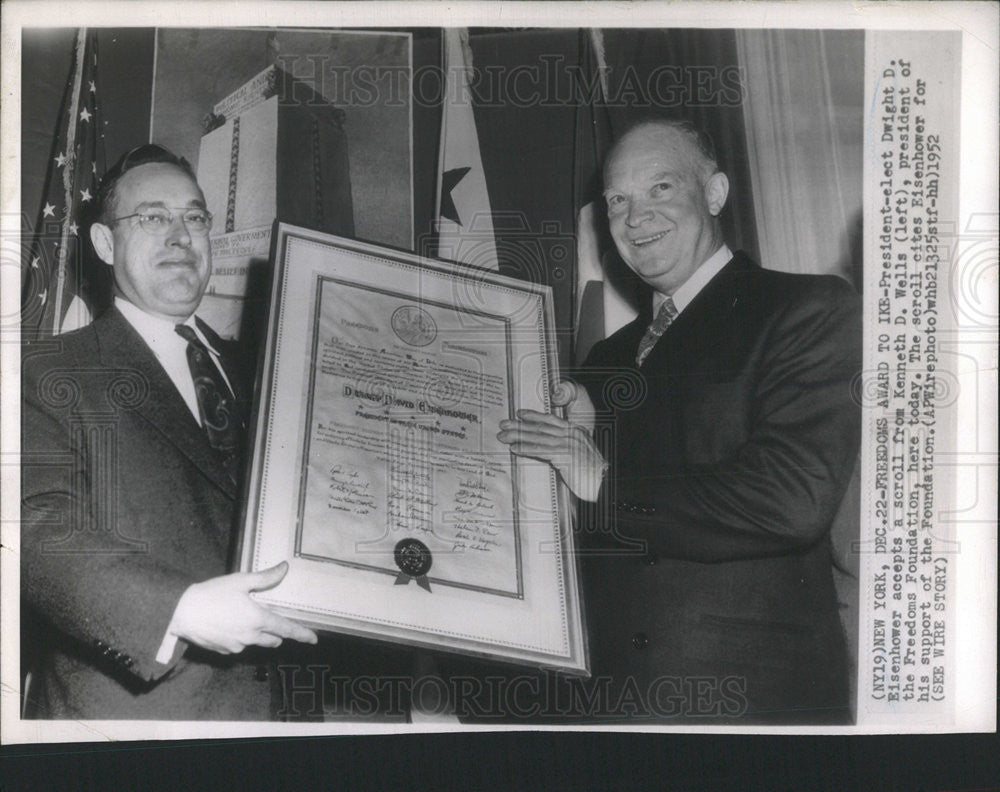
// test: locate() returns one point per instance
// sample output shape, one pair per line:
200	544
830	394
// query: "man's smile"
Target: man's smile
647	240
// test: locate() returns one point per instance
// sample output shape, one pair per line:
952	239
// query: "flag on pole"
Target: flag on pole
465	219
52	301
605	289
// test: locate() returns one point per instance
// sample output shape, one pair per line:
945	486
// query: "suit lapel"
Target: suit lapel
699	336
235	372
165	409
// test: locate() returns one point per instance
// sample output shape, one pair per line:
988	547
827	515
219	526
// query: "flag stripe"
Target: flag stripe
69	178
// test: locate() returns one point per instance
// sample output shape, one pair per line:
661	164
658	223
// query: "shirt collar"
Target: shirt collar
154	329
688	290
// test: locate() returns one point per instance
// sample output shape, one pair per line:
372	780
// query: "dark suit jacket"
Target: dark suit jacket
708	555
124	505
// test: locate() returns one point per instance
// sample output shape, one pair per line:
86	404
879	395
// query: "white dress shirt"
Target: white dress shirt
688	290
170	349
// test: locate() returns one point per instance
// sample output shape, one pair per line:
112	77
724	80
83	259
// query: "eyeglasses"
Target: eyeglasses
157	222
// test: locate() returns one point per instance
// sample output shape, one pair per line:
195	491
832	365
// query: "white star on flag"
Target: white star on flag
53	290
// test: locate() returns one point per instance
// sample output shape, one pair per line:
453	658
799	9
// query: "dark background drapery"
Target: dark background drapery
527	94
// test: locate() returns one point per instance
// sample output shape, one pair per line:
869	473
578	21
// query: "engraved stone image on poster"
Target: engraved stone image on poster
239	264
271	134
376	469
206	75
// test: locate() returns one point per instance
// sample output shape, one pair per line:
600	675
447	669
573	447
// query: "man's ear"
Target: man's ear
716	192
104	242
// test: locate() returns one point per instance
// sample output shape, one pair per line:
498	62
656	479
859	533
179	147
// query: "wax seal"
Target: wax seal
413	325
414	560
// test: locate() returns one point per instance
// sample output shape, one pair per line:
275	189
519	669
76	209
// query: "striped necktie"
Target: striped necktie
657	327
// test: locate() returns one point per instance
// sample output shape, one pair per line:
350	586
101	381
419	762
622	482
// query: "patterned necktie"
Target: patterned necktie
216	404
657	327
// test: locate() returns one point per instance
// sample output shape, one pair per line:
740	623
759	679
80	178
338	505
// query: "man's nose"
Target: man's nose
178	233
638	212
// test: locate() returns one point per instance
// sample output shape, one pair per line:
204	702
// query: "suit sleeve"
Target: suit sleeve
76	571
780	491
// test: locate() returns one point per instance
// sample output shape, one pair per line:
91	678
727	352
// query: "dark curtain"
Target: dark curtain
526	101
526	93
525	117
692	74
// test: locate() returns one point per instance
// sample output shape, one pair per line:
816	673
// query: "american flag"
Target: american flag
53	280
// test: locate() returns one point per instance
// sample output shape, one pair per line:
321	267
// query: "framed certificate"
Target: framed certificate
376	472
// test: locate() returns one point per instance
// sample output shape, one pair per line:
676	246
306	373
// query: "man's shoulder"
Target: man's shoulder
774	293
81	360
782	284
77	347
797	312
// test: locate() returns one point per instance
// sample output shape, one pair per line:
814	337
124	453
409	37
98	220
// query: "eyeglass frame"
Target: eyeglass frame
172	216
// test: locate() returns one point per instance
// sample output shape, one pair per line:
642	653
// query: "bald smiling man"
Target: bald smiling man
707	571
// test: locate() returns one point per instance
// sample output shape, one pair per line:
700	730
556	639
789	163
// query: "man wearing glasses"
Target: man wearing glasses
132	436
